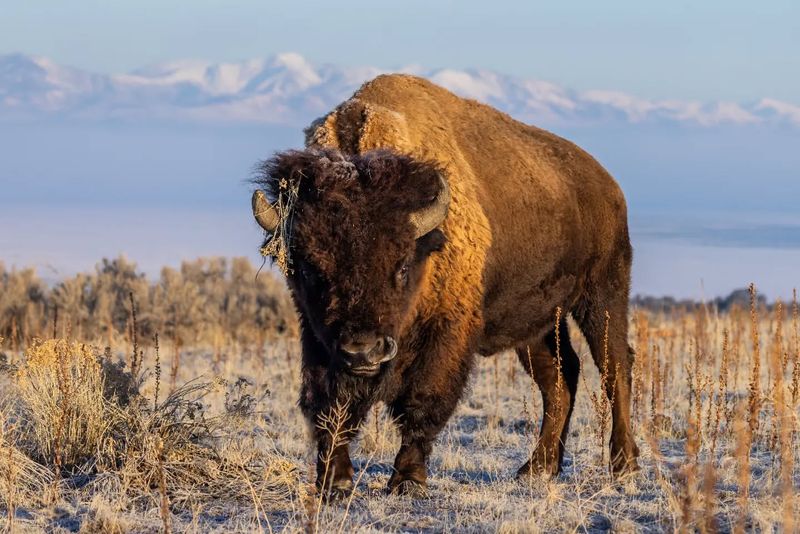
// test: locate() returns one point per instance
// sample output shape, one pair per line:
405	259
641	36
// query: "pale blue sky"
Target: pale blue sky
710	50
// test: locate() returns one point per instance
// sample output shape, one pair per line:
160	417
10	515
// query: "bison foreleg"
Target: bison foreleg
335	427
334	419
410	475
422	413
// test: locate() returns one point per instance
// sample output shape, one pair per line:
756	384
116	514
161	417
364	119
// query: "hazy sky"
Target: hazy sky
714	49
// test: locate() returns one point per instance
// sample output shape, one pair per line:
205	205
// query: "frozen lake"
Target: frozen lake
710	209
59	241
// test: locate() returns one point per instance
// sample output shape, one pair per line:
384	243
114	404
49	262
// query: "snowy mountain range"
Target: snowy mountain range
289	90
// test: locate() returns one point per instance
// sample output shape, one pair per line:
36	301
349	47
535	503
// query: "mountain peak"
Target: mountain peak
287	88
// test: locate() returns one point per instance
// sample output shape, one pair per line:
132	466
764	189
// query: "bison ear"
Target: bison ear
429	243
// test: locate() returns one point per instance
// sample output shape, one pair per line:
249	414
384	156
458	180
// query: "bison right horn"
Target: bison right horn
265	214
432	216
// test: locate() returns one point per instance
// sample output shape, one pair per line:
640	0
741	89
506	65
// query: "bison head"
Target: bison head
359	230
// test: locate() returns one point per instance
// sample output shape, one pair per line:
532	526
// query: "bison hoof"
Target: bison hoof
410	488
338	490
624	466
623	460
538	468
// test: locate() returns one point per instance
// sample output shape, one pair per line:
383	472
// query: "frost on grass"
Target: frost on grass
718	435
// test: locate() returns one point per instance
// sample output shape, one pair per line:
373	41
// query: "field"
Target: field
200	432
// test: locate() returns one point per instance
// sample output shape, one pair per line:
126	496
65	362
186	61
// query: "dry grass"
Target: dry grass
85	445
61	403
77	429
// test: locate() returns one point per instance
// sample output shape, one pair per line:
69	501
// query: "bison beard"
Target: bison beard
427	229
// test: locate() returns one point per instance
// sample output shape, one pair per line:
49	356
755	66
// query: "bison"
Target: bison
422	229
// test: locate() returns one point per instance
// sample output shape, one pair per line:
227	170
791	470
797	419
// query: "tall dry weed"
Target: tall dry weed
754	392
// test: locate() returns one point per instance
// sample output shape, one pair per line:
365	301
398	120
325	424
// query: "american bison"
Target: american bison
421	229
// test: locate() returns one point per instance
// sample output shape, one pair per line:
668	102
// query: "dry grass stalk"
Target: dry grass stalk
136	357
157	373
10	471
721	412
796	352
696	383
783	427
656	388
14	334
376	415
754	392
689	472
701	331
742	432
162	488
674	503
334	423
495	419
737	323
778	346
309	500
640	363
176	354
559	408
533	396
174	364
709	524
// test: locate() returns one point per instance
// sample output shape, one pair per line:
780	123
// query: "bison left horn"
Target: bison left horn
432	216
265	214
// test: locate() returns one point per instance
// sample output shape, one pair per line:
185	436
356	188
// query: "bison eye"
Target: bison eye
309	275
402	275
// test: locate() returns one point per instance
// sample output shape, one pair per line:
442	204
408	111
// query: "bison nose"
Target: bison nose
377	350
360	349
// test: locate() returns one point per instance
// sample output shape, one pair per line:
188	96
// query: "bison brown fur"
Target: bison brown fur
393	310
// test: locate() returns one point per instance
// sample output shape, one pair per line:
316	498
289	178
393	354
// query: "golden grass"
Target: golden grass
715	413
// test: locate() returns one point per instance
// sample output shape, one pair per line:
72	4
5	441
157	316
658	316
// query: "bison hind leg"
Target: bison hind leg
555	370
603	319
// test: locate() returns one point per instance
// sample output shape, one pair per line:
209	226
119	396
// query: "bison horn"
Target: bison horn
431	216
265	214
